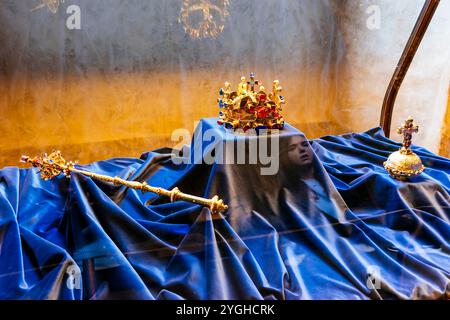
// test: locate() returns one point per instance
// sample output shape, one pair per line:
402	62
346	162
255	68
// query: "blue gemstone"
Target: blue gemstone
221	92
258	128
252	75
220	113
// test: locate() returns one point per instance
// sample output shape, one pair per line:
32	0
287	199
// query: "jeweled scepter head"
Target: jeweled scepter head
50	166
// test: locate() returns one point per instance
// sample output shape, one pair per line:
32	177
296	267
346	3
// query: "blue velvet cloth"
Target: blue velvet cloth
330	224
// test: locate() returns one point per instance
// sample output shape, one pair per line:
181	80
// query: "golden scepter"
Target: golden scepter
51	166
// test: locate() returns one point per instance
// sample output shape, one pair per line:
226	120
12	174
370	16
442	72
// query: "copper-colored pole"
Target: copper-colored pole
408	54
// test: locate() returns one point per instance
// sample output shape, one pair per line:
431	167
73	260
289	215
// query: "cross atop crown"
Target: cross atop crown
407	130
252	83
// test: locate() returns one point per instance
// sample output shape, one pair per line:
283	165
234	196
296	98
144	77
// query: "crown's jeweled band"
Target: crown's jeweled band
51	166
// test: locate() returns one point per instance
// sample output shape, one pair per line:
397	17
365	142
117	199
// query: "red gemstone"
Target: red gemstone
262	113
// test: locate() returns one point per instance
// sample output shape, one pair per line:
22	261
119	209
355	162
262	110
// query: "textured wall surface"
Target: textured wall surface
370	61
131	75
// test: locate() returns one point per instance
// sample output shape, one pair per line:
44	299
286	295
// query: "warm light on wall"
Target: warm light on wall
445	133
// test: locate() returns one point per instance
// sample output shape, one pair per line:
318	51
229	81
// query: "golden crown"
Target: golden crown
251	108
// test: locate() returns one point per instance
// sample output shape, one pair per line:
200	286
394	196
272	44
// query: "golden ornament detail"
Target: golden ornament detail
204	18
52	5
251	107
51	166
404	163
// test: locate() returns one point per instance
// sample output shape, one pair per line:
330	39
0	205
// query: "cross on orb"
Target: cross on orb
407	130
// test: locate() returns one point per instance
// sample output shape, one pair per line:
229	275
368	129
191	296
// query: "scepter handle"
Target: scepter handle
214	204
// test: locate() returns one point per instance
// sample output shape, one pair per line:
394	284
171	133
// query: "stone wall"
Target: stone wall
370	61
131	75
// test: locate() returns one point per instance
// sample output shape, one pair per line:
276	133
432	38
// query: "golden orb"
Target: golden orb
402	165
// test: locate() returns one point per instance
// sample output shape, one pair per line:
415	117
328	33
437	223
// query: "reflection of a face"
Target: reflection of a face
299	151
